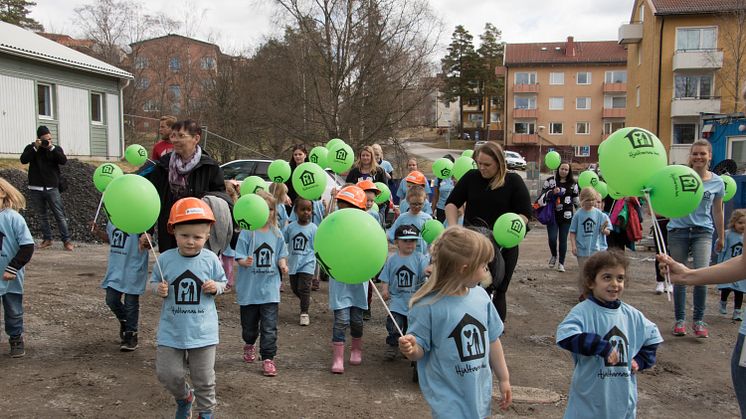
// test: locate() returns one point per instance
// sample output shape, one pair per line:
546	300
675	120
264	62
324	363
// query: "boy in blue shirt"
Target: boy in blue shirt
299	237
188	280
416	198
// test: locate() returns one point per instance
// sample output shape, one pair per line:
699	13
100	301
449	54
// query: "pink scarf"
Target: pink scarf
179	170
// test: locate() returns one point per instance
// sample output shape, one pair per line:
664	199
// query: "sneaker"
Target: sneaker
391	353
366	315
669	289
305	320
738	314
249	353
560	267
44	244
552	261
723	307
130	342
269	368
660	287
17	349
700	329
679	329
184	406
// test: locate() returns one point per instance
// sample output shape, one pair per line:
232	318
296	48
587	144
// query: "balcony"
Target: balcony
525	139
524	113
615	87
614	113
630	33
694	106
526	88
697	59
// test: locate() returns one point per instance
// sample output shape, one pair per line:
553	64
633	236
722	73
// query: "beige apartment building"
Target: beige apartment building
681	64
568	96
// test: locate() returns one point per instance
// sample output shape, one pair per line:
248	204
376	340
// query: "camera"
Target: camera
45	143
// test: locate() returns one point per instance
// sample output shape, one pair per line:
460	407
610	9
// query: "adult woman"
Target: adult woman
441	191
693	235
366	167
187	171
488	193
299	156
564	191
401	191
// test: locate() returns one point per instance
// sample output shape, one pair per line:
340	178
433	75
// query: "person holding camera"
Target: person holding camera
44	160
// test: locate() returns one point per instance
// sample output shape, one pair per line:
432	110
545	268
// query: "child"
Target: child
610	341
318	215
227	257
348	301
454	330
587	227
299	237
415	179
188	326
262	259
15	252
733	247
371	192
280	192
414	216
402	275
126	275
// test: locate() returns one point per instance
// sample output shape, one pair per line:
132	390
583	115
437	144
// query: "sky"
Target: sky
241	25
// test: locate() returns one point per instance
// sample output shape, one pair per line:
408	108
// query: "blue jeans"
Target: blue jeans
129	312
393	338
561	230
260	316
350	316
13	311
51	197
696	241
738	375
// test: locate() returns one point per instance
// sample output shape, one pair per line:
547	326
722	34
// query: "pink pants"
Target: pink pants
228	268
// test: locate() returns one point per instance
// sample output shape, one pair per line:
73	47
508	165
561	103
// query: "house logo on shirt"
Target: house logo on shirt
735	250
640	139
187	289
299	242
118	239
470	338
404	277
589	226
618	342
706	196
263	256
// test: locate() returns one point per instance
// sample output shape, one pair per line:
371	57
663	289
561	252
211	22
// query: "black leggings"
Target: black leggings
510	256
737	297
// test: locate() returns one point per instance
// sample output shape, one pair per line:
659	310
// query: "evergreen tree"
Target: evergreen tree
491	55
459	71
16	12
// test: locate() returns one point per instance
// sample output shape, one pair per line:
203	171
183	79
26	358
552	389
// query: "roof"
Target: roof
177	36
21	42
68	41
596	52
693	7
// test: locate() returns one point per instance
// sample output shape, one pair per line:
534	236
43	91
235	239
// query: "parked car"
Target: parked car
514	160
478	144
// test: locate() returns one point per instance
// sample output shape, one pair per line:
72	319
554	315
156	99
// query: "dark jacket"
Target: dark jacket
44	165
207	176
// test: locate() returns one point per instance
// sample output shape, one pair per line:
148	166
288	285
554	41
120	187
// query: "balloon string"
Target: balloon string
378	293
98	210
660	244
160	271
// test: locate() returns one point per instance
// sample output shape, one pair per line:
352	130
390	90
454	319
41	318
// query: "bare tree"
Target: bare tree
732	32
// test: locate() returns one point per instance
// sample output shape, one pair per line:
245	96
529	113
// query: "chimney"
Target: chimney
570	47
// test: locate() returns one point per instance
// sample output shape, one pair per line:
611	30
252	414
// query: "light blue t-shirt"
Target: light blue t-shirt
386	166
188	316
404	276
317	216
407	218
260	282
282	215
587	228
732	247
342	295
702	216
128	266
299	240
14	233
445	186
375	214
599	390
455	333
427	208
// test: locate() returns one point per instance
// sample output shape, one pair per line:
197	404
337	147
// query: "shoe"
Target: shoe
700	329
679	329
44	244
366	315
130	342
249	353
552	261
391	353
227	289
205	415
69	246
723	307
122	324
184	406
17	348
269	368
356	351
659	288
315	284
738	314
560	267
669	289
338	354
305	320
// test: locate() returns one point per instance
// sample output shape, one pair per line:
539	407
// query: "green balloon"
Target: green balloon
252	184
385	194
351	246
443	168
553	160
612	193
509	230
333	142
431	230
318	155
340	158
132	203
630	158
279	171
587	178
462	165
136	154
468	153
309	180
602	189
730	187
251	212
675	191
104	174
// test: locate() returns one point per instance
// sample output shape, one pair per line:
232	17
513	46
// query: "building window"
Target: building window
738	151
642	13
693	87
556	103
476	118
142	83
97	108
524	128
151	106
175	91
618	76
637	96
639	54
688	39
582	128
584	77
494	117
473	101
141	63
556	78
684	133
46	100
582	151
525	78
615	102
611	127
174	64
525	102
583	103
555	128
494	101
207	63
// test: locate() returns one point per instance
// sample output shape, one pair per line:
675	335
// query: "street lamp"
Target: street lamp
541	129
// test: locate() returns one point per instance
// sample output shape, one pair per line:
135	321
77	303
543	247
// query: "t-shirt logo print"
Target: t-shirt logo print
299	242
619	342
640	139
187	289
263	256
404	277
118	239
588	226
735	250
470	338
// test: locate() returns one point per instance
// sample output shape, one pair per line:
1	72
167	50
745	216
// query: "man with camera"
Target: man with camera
44	183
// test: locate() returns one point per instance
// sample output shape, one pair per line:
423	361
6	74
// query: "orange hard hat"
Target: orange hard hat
368	185
417	178
353	195
189	209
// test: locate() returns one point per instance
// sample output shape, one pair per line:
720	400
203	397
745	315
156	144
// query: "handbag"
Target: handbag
544	213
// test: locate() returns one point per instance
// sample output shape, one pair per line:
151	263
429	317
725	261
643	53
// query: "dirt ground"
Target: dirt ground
73	367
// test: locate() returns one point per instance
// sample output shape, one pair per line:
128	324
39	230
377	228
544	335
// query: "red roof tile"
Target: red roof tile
690	7
601	52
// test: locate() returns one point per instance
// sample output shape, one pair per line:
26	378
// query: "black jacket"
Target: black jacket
44	165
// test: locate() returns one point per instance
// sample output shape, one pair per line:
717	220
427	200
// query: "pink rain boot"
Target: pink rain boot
356	352
338	357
